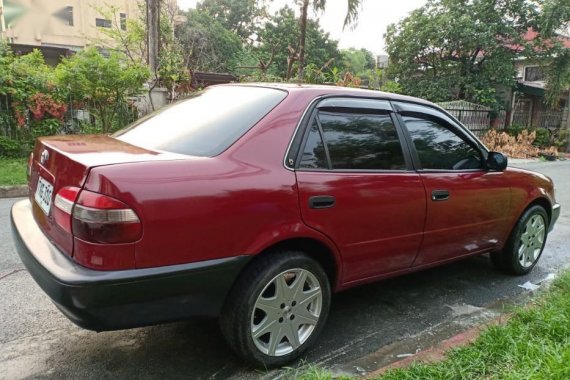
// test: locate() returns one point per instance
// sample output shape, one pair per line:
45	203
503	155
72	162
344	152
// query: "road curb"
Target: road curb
438	352
13	191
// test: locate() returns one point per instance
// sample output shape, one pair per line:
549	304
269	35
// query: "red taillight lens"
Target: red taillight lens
95	218
64	201
99	218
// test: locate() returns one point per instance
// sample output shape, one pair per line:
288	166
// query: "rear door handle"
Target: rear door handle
322	201
439	195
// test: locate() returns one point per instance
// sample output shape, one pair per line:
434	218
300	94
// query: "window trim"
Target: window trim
308	120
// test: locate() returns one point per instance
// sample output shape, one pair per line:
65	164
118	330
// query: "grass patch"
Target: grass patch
12	171
534	344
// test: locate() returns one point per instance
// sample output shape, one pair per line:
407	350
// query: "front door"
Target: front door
467	205
357	186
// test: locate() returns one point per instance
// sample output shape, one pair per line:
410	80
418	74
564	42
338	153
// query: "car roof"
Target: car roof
323	90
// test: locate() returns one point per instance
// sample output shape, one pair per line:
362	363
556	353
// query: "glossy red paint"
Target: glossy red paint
377	221
244	201
474	215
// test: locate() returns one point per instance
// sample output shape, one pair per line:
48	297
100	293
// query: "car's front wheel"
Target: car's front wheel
277	308
525	245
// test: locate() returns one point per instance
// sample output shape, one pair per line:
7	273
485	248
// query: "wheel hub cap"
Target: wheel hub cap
286	312
531	241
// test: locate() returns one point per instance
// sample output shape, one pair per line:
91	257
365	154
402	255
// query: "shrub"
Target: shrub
542	137
521	146
10	148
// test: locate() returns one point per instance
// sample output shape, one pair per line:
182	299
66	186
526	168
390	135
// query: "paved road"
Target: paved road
368	327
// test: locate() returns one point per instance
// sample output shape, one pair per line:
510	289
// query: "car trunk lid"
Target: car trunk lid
64	161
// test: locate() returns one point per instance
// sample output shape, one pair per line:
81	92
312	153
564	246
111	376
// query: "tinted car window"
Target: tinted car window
206	124
362	141
314	155
440	148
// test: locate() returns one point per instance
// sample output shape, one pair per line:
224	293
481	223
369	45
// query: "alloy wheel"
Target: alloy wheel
286	312
531	241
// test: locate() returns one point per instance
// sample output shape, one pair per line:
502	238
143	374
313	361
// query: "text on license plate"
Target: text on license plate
44	193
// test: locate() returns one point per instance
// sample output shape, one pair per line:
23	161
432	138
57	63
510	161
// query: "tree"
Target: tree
280	34
319	5
207	44
102	84
357	61
457	49
556	18
132	41
241	17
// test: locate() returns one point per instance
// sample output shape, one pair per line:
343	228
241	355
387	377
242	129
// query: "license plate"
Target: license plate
44	193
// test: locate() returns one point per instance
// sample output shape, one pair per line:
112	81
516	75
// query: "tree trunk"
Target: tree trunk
153	26
302	38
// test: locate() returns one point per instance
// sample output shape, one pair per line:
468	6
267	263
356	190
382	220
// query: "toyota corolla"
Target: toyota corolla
253	203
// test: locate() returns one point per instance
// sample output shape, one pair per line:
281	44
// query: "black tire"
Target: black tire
236	318
508	260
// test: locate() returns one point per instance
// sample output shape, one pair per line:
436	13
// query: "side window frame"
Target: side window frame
428	113
351	105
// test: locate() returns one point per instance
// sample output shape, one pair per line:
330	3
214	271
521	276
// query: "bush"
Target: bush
10	148
514	130
542	137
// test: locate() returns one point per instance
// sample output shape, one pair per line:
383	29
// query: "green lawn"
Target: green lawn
534	344
12	171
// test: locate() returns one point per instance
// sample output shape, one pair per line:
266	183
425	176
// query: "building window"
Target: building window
123	21
533	74
69	15
102	23
65	15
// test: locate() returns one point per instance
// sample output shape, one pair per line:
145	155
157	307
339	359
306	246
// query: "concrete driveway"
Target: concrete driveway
369	326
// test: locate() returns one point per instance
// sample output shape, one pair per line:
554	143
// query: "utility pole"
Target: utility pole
153	26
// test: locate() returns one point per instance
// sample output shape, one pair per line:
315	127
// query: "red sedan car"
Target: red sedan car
255	202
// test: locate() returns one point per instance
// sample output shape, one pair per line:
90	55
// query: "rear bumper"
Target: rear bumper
555	216
112	300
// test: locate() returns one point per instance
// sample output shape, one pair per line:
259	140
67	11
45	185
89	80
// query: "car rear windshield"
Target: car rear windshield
206	124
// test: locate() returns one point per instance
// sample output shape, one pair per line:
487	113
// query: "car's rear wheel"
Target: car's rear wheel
525	245
276	309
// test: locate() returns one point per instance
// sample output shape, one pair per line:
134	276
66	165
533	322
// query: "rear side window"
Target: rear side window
361	141
314	155
206	124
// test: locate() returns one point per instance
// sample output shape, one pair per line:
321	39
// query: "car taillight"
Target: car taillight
96	218
63	202
99	218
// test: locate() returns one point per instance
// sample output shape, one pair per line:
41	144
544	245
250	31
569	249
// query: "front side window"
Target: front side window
440	148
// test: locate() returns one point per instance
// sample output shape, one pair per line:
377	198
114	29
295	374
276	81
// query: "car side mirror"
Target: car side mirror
497	161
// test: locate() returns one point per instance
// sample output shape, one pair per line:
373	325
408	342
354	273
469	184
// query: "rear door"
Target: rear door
357	186
467	205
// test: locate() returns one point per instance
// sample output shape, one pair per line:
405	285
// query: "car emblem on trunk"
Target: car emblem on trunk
44	156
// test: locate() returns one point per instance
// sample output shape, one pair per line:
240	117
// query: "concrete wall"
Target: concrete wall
40	24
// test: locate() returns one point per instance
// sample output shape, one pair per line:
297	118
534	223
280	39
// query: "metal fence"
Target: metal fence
478	121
